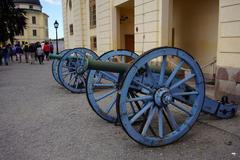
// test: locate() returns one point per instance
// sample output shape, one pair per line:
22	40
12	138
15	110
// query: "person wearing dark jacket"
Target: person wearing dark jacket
51	47
32	51
19	52
10	52
1	55
5	54
26	51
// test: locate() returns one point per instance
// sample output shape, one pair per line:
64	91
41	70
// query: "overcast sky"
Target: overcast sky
53	8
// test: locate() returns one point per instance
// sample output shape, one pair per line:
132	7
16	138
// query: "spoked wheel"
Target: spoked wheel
102	86
55	63
161	96
70	70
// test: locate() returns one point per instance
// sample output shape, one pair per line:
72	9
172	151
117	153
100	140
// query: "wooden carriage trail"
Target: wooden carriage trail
39	120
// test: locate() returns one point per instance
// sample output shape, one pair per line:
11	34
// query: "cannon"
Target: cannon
55	63
156	97
64	70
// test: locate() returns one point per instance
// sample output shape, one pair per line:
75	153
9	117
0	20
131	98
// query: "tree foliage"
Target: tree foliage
12	21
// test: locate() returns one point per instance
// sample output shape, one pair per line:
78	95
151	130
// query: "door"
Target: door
129	42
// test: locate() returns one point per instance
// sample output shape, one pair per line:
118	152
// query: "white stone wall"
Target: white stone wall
26	6
104	26
41	27
229	34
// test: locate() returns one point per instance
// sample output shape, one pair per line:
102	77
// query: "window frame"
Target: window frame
34	20
93	43
92	14
34	31
71	30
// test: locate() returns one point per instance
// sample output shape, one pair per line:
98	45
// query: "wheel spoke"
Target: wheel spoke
149	72
173	74
110	106
105	95
143	86
103	85
141	112
182	108
171	118
122	59
68	73
160	123
149	120
162	70
70	79
79	81
185	93
182	81
64	66
142	98
75	80
132	106
111	77
65	75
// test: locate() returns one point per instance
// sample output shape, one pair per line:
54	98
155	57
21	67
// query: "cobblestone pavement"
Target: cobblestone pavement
40	120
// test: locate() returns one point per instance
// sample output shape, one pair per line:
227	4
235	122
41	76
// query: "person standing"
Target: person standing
5	54
14	49
26	52
1	55
32	51
10	51
46	50
39	53
51	47
42	44
19	52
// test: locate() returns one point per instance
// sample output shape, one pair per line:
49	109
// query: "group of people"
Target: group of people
32	52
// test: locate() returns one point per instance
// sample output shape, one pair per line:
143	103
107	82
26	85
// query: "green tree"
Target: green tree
12	21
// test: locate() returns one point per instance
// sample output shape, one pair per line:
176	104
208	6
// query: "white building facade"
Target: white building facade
208	29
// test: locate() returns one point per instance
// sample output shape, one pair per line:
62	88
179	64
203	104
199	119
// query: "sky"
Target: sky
53	8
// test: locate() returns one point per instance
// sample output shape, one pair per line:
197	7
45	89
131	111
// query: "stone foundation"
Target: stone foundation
228	83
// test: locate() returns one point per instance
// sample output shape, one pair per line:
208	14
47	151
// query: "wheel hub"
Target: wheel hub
79	69
163	97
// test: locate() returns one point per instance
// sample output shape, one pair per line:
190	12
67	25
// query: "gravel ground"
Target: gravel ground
40	120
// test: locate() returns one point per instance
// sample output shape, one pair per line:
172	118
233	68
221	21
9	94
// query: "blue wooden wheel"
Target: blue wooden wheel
161	96
70	73
102	86
55	63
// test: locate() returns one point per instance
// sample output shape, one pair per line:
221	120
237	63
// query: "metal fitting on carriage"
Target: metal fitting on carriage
225	109
221	109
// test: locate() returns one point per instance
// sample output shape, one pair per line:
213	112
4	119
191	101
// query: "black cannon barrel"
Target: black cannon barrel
107	66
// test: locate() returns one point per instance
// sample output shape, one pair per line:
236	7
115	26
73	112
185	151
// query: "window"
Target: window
30	6
70	4
33	20
92	11
71	29
34	32
93	41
